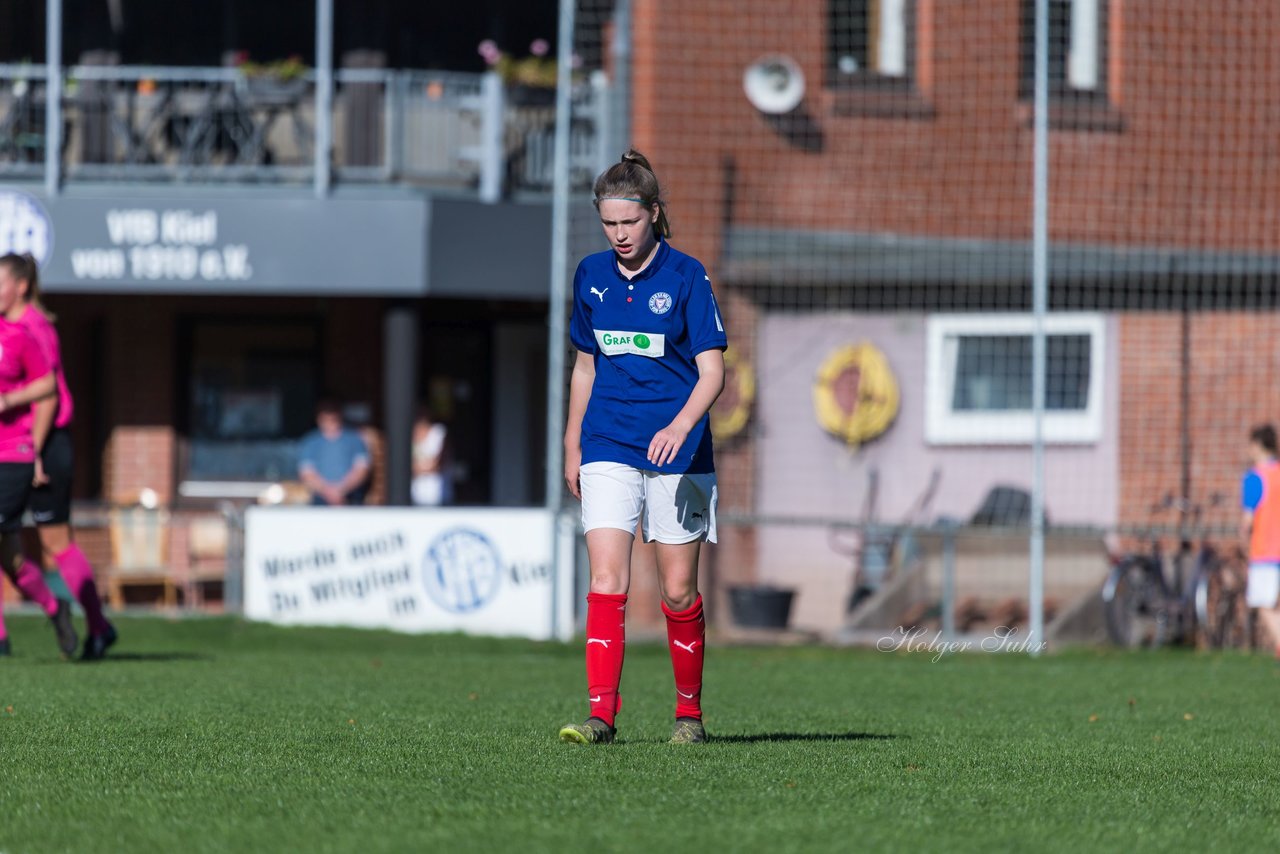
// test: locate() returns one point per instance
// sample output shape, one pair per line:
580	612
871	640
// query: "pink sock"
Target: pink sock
686	631
77	572
30	580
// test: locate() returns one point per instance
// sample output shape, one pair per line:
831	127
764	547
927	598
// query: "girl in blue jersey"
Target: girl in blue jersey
650	364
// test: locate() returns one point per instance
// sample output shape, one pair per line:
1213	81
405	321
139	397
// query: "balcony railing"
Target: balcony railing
216	125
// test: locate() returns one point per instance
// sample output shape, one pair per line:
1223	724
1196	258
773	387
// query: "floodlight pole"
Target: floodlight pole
1039	299
556	350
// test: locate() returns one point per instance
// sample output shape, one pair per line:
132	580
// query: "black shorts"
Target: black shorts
51	504
15	489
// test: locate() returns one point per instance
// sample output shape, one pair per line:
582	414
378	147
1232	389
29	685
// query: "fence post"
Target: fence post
1039	299
948	580
233	579
492	161
322	163
391	127
557	297
53	98
606	133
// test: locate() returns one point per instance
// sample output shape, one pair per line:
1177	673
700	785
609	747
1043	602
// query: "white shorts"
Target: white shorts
674	508
1264	585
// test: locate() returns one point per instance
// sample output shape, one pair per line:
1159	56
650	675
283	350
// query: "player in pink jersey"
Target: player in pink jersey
25	377
50	499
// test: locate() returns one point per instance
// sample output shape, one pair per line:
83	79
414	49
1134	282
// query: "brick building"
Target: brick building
894	205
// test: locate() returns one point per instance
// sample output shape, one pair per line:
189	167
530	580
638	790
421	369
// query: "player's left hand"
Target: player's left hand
666	444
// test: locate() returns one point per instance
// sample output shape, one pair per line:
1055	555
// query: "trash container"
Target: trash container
761	606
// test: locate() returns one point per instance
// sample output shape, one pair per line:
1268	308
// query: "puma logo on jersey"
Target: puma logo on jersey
686	647
600	293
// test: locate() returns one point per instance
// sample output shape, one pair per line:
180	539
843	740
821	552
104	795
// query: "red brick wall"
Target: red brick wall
1235	384
1192	86
140	407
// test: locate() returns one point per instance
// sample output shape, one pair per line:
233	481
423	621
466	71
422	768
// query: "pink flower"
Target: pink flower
490	51
540	47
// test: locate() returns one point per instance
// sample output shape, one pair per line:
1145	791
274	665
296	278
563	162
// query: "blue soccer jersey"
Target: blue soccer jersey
644	334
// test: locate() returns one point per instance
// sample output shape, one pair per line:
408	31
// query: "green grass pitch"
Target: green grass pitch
216	735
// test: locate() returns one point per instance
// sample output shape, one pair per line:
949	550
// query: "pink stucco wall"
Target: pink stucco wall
803	471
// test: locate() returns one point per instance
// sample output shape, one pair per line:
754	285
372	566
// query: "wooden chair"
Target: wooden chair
139	553
207	539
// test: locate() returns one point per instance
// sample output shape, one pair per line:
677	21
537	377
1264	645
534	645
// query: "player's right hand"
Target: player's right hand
572	463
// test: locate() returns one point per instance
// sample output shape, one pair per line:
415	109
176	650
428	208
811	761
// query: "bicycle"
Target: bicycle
1147	607
1224	619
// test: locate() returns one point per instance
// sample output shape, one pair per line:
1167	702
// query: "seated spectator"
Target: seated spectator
333	461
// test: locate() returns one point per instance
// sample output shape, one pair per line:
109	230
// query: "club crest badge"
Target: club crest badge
660	303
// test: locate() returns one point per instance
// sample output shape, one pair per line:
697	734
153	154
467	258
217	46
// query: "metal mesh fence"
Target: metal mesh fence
857	176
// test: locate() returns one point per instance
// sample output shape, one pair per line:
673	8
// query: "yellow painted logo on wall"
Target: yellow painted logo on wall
855	395
733	409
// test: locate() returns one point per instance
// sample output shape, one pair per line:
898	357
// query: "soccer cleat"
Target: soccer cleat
67	640
4	647
688	731
96	646
591	731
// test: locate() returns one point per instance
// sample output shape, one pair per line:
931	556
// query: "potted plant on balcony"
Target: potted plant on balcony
530	80
281	81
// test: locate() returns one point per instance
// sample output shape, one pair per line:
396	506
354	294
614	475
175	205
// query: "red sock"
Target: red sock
30	580
606	642
77	572
686	630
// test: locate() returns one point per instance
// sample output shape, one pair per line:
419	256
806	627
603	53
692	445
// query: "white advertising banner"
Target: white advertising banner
481	571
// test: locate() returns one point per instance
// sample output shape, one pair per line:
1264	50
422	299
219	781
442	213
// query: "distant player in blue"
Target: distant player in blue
650	364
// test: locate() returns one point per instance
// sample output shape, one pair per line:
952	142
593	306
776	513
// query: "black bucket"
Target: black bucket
761	607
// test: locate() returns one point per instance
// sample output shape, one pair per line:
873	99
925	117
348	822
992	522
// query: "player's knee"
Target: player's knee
609	583
611	576
679	597
55	539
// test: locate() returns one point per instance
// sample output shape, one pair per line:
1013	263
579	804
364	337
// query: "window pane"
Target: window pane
869	39
993	373
253	388
1067	372
1082	62
1077	47
891	39
847	34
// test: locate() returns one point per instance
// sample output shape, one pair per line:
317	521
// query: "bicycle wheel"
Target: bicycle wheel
1221	616
1134	603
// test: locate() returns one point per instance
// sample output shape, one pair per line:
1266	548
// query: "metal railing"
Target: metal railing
452	130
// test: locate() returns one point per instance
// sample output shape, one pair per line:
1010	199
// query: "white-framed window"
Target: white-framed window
1078	42
978	379
870	41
